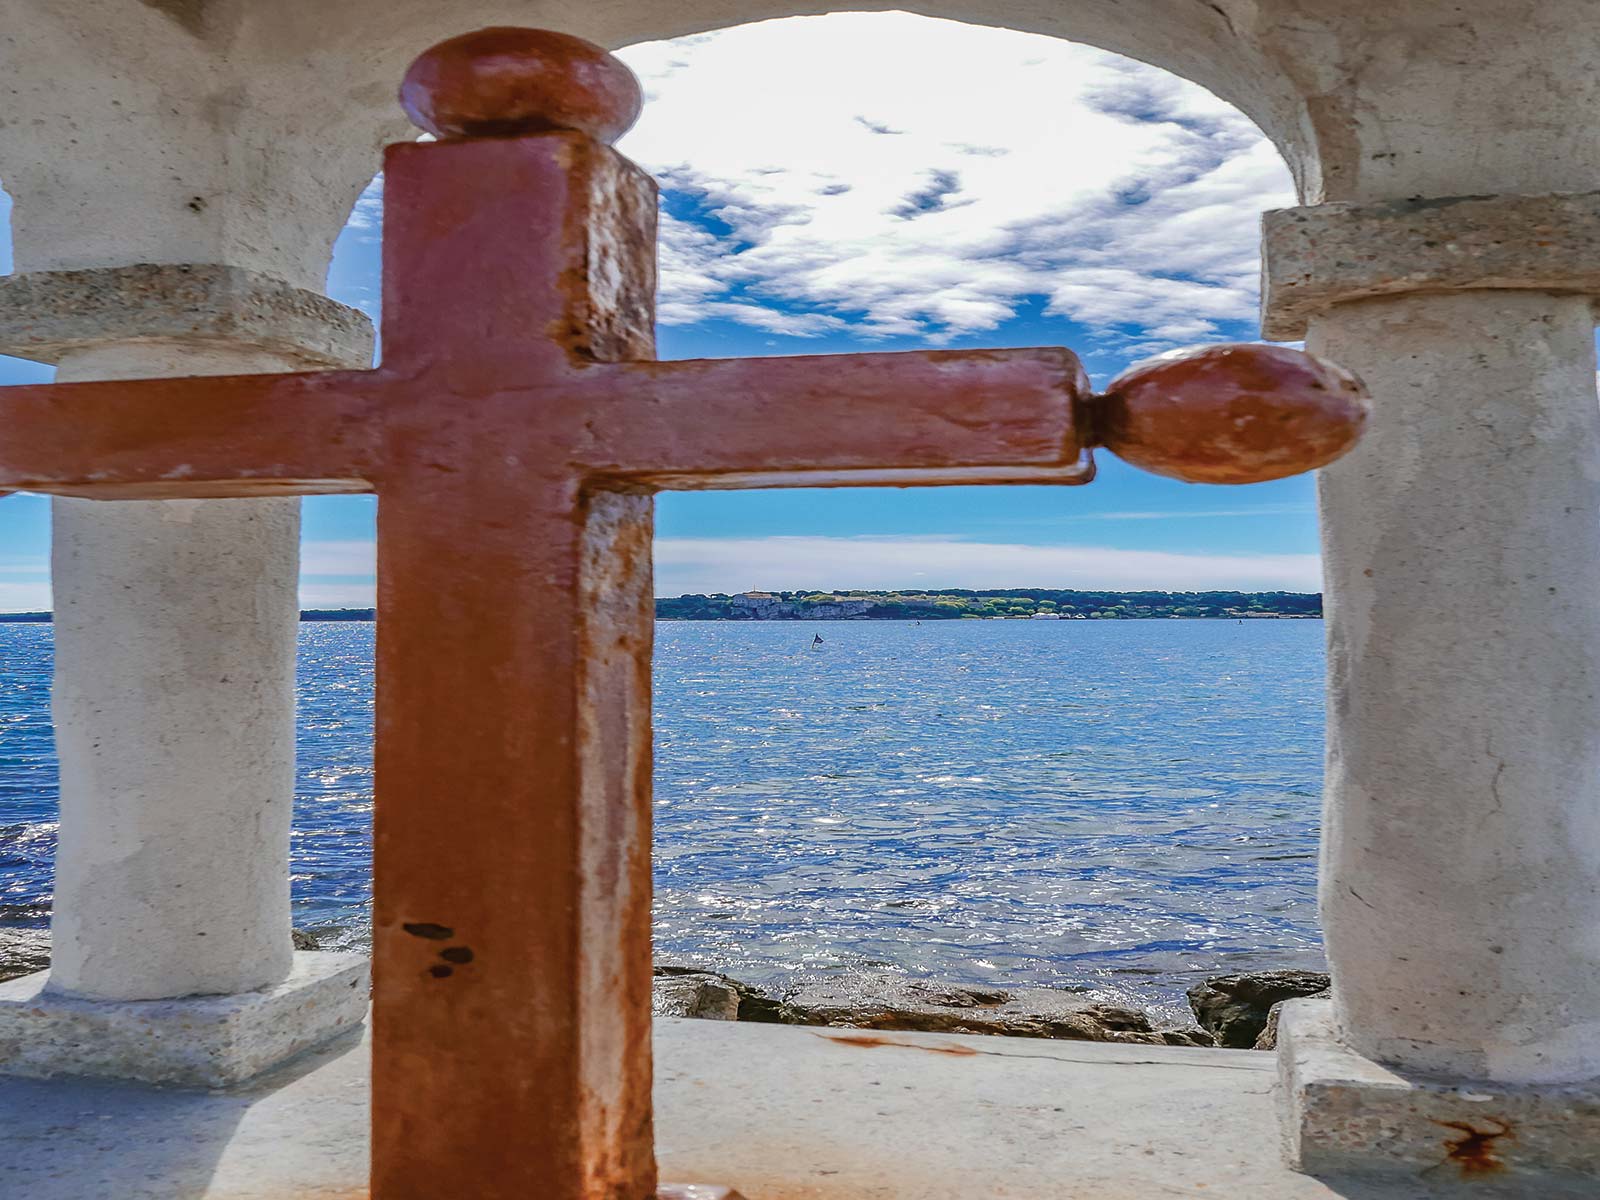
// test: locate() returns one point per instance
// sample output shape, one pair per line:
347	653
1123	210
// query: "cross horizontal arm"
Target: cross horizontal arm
963	416
212	436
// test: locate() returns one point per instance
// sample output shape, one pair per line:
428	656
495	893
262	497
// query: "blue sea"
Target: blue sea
1120	805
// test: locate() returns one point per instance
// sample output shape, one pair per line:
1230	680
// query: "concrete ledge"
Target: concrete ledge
779	1112
46	314
1342	1112
1315	257
198	1041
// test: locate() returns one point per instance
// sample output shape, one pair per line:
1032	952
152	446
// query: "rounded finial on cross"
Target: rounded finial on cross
508	82
1240	413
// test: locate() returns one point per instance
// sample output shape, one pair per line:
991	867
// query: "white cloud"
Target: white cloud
354	556
25	595
1175	514
916	176
359	593
367	215
792	563
338	573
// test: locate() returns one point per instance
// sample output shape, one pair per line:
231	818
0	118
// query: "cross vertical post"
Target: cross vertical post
512	939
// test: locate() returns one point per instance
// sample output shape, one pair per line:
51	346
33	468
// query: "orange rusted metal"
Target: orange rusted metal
515	432
508	82
1232	414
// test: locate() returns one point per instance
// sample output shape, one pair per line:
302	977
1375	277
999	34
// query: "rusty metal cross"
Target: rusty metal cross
515	433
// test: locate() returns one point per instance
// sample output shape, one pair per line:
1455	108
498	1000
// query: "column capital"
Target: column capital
45	315
1321	255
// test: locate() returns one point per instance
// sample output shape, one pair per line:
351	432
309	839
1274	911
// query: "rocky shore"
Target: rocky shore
1238	1011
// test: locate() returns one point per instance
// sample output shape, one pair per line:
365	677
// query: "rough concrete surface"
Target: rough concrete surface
1347	1110
202	1041
46	314
881	1000
1460	875
781	1113
1315	257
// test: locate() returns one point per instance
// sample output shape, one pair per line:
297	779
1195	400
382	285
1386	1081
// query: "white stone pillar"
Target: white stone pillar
179	178
174	720
176	624
1460	885
1461	843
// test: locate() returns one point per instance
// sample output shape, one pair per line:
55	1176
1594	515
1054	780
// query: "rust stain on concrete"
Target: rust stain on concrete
1475	1152
864	1039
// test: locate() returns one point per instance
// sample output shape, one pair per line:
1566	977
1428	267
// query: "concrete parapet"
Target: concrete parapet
196	1041
1315	257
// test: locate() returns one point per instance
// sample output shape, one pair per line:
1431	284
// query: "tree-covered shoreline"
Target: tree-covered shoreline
974	604
940	604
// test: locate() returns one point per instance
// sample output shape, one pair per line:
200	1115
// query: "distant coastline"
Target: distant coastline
943	604
946	604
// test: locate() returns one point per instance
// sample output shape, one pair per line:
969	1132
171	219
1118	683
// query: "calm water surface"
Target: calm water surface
1124	805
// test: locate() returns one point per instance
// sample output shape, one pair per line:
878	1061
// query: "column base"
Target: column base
1343	1113
195	1041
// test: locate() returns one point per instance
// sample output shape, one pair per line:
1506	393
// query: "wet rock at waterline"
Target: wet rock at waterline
895	1002
23	951
677	988
1235	1008
693	994
1268	1040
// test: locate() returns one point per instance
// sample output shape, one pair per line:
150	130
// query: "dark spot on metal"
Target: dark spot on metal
1474	1151
456	954
426	929
441	972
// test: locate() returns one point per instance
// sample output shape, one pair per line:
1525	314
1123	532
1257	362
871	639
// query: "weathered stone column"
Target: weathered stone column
176	217
175	650
174	711
1460	890
174	721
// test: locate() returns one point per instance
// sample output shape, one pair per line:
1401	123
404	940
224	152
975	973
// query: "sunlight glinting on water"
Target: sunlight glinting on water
1120	805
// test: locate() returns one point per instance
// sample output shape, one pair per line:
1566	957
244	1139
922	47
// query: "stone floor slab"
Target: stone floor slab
197	1041
781	1113
1341	1110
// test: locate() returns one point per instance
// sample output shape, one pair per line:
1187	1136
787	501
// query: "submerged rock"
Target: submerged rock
304	940
23	951
1235	1008
871	1001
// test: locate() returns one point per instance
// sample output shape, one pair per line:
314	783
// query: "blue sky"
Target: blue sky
882	182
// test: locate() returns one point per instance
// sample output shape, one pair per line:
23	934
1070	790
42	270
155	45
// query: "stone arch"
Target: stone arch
1354	94
244	133
366	46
